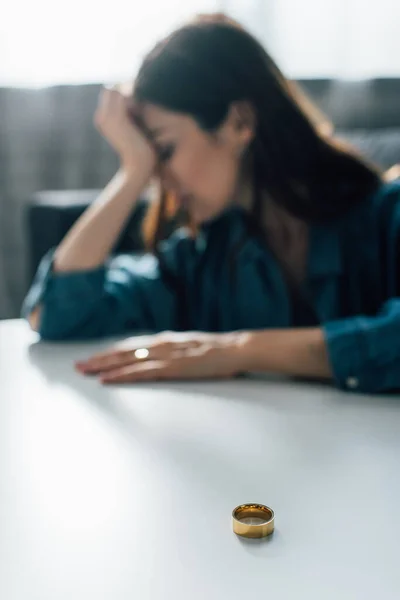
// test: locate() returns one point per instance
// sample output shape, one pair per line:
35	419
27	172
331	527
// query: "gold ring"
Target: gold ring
141	353
253	520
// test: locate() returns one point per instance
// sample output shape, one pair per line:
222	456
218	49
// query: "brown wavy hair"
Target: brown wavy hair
205	66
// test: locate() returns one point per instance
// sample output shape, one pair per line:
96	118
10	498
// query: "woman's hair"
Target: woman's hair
205	66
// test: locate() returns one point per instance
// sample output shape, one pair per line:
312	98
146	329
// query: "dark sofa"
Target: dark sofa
366	113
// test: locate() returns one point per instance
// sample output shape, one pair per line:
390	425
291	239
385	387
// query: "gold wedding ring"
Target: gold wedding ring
141	353
253	520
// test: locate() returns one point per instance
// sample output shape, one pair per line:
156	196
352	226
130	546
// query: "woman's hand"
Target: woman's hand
393	173
196	355
114	121
168	356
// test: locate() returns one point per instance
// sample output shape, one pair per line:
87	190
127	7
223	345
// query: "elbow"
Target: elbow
50	329
68	326
34	319
60	319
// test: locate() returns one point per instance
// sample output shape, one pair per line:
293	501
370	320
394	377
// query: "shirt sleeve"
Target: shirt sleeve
365	351
129	294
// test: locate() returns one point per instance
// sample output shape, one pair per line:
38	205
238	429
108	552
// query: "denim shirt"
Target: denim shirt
226	279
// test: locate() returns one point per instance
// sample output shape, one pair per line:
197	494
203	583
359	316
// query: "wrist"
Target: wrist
137	166
241	347
132	179
298	352
134	173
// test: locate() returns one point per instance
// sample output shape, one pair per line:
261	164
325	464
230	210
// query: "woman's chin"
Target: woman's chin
202	216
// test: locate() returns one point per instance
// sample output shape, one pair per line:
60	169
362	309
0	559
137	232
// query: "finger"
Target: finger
135	115
133	108
154	370
174	368
104	95
122	87
111	86
118	357
105	361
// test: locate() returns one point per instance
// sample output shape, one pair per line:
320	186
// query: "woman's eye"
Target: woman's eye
166	153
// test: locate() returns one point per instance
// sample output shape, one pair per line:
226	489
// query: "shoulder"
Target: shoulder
388	188
380	207
371	224
384	205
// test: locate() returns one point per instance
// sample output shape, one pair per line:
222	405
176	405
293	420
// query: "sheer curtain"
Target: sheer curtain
44	43
84	40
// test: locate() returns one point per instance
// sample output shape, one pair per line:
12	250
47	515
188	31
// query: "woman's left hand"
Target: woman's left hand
166	356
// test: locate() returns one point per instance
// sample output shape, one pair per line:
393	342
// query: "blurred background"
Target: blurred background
54	58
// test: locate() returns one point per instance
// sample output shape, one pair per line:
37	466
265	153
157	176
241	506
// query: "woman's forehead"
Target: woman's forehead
158	119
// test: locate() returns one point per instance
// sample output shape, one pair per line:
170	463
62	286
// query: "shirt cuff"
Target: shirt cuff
348	353
71	287
39	285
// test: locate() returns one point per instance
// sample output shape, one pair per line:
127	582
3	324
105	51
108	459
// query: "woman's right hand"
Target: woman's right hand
113	121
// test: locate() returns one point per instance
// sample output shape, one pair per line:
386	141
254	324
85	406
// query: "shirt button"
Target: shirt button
352	383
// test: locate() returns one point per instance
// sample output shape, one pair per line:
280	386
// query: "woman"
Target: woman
288	259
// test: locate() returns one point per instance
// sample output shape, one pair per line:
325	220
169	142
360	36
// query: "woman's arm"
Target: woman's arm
88	244
127	294
295	352
358	353
194	355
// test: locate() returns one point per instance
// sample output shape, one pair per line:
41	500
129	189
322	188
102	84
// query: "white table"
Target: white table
126	493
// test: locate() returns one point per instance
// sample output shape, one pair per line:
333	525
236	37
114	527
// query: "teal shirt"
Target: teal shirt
227	279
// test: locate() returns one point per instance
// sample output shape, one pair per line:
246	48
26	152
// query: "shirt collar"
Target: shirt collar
324	256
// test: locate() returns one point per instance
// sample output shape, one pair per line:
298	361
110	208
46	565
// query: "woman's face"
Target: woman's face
202	169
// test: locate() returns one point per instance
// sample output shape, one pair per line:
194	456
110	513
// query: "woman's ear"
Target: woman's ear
239	126
243	114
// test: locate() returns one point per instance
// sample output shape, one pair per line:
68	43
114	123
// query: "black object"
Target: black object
52	213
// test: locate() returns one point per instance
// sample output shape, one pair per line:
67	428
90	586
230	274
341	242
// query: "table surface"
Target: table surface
124	493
